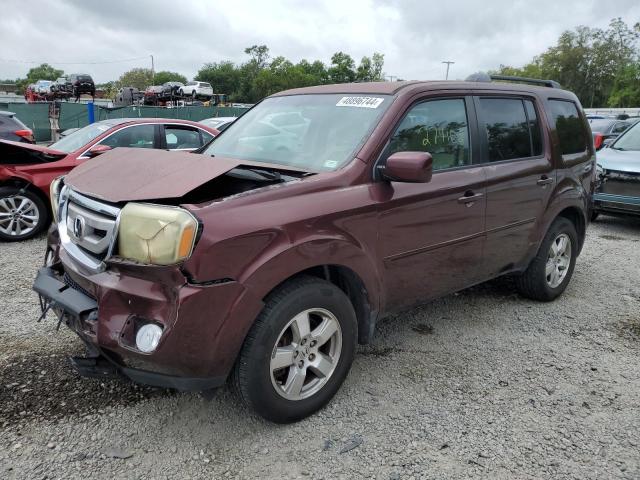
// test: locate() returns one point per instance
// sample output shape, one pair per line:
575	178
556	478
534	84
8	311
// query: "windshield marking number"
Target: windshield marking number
361	102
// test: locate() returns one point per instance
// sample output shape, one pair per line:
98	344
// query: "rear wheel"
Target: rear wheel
550	271
22	214
298	352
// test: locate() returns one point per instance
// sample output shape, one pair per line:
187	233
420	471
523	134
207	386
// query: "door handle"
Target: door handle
544	180
469	198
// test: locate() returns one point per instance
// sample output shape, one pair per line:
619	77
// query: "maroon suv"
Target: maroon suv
269	256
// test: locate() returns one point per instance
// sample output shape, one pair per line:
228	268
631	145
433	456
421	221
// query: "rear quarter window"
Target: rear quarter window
571	132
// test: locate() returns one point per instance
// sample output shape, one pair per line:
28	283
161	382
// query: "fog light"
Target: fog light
148	337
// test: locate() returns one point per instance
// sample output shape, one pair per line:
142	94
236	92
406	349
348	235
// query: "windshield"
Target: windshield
311	132
76	140
630	140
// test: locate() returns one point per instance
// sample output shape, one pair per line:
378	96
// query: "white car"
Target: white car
219	123
43	86
196	89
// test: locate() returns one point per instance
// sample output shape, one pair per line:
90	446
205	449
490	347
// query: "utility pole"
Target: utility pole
391	77
448	62
153	74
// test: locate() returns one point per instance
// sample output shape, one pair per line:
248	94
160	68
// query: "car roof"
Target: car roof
4	113
112	122
394	88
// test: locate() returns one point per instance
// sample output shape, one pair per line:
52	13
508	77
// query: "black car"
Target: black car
82	83
11	128
62	85
606	129
171	89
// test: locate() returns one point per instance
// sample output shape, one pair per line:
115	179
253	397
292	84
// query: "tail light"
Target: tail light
598	139
26	134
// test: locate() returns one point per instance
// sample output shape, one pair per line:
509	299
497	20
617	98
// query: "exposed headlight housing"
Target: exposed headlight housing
156	234
54	193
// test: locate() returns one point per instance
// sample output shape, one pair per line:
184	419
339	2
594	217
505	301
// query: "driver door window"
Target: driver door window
138	136
439	127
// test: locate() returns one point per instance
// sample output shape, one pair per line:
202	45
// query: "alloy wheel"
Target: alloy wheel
558	260
306	354
19	215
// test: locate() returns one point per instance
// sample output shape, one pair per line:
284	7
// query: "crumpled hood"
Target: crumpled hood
130	174
620	160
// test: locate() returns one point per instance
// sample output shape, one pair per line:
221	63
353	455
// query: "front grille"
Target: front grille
88	228
76	286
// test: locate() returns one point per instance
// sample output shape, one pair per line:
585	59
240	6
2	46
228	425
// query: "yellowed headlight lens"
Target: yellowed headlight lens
156	234
54	195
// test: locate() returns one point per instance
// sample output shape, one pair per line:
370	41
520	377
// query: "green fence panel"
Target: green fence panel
75	115
33	115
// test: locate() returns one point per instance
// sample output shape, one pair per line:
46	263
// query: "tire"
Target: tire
23	214
261	385
535	282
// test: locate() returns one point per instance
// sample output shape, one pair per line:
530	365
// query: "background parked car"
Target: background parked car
43	86
152	94
604	129
171	89
26	171
618	189
219	123
62	85
197	89
82	83
11	128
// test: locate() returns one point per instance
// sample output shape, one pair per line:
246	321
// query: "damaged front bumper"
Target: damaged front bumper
203	325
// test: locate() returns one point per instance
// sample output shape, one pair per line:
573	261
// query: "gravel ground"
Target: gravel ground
479	384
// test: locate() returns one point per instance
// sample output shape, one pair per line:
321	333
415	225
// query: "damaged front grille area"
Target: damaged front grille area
88	228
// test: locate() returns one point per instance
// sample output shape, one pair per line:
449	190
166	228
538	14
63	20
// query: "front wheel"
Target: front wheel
298	352
550	271
22	214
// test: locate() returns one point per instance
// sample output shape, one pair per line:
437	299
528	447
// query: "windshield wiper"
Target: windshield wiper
618	148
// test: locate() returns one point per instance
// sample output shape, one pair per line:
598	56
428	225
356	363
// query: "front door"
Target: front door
431	234
520	178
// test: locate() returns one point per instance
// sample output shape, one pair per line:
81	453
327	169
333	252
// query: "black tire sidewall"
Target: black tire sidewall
256	360
561	225
43	212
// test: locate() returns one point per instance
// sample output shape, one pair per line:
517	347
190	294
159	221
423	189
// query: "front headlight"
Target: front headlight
54	193
156	234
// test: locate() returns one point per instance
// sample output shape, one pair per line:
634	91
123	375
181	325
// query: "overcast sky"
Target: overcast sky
415	36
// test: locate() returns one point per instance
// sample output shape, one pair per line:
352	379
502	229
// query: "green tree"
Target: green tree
224	77
41	72
139	78
586	61
165	76
626	87
343	68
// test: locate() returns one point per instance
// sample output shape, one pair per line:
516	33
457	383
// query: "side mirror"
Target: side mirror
98	149
411	167
608	141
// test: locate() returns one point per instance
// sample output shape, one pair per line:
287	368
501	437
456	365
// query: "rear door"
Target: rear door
520	177
431	234
183	137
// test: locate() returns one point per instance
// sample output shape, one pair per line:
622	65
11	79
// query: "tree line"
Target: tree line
257	77
601	66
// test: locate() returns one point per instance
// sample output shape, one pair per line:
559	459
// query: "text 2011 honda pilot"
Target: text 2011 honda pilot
268	257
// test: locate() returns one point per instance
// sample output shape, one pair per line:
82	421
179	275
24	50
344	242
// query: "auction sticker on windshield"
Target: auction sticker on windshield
362	102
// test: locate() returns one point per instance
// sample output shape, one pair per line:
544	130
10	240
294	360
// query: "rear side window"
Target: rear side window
511	128
439	127
569	126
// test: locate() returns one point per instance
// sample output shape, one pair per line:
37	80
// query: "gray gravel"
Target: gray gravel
478	384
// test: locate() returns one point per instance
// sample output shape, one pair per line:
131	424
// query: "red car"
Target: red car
26	171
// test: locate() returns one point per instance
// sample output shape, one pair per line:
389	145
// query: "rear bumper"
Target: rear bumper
76	309
606	202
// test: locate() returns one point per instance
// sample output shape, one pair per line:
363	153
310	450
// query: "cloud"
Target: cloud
415	35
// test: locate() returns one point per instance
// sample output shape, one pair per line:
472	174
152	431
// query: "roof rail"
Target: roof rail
485	77
532	81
